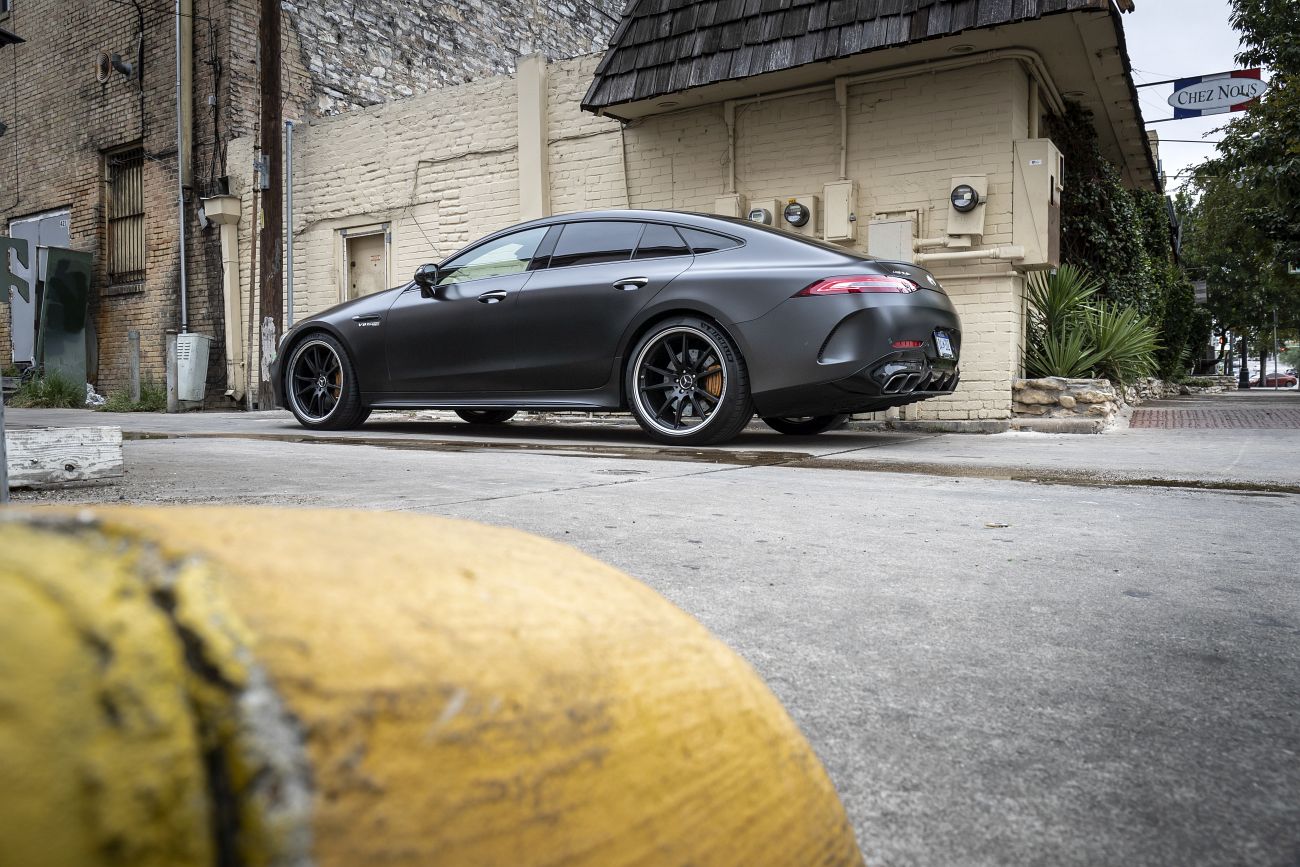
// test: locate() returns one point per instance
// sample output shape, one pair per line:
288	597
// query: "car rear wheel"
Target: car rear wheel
321	387
687	383
486	416
805	425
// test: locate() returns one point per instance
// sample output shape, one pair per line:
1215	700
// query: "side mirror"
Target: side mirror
426	277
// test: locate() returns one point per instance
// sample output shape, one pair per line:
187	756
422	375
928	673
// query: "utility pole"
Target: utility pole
270	220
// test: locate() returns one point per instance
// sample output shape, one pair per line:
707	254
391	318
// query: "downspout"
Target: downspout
288	223
842	97
729	115
182	155
1035	108
225	212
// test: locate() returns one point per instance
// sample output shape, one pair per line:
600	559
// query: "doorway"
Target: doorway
365	263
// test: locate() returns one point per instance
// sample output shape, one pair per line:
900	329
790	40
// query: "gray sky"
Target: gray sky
1178	39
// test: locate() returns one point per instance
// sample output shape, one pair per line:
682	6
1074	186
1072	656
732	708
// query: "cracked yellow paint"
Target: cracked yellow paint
467	695
99	758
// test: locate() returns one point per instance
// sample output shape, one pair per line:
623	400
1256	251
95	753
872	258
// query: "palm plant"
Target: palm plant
1069	335
1057	299
1126	343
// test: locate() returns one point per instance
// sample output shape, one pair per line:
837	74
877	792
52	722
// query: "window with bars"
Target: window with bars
126	216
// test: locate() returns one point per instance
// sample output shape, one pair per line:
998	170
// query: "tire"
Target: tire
320	385
486	416
702	379
806	425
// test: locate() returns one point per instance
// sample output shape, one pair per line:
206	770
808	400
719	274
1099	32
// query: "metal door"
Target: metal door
367	264
41	232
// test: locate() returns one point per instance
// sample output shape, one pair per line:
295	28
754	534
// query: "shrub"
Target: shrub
153	398
52	391
1125	342
1069	335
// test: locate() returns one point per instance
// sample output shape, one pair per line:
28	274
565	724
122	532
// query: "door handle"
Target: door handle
627	284
493	297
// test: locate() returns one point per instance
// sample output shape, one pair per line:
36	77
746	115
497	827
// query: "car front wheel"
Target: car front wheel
687	383
321	387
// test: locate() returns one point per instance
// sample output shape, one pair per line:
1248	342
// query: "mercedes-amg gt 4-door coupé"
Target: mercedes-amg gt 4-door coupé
691	322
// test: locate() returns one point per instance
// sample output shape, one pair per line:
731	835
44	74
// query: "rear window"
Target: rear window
659	242
595	242
707	242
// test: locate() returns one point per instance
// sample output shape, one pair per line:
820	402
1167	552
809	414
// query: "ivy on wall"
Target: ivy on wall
1122	237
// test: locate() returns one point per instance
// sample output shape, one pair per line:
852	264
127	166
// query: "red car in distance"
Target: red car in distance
1274	380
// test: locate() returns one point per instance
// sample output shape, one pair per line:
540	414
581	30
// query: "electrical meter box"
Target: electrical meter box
1037	181
890	237
967	204
798	214
765	212
841	198
730	205
191	365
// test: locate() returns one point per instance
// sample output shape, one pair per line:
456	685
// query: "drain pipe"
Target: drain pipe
288	222
842	97
729	116
180	171
1002	253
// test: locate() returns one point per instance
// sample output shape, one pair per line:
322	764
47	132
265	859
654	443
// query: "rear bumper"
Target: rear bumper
816	356
895	380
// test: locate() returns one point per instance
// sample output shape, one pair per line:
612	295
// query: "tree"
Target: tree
1243	226
1122	237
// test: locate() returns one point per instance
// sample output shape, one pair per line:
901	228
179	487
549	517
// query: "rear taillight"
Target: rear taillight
857	284
908	344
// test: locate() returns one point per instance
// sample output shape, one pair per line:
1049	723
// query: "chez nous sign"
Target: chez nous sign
1216	94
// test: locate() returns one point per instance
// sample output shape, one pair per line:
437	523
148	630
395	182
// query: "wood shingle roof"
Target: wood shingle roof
667	46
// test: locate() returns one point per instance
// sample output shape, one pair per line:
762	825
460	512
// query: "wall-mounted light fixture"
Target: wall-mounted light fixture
106	63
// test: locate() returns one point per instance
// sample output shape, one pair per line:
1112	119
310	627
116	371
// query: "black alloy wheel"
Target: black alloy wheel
687	384
805	425
486	416
321	387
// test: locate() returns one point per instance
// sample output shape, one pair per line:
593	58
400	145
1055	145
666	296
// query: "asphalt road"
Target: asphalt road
1084	669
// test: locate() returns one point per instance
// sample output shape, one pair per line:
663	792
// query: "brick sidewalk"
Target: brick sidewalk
1258	419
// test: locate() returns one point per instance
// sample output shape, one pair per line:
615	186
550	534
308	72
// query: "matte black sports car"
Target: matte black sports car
692	322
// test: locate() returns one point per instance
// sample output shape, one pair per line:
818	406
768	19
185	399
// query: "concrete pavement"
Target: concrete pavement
1240	457
1090	669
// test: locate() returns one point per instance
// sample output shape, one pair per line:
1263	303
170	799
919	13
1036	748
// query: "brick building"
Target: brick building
871	112
90	151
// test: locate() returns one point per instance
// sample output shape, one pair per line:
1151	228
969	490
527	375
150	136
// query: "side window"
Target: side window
707	242
507	255
659	242
595	242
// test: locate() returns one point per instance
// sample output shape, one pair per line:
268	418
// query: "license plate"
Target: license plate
944	344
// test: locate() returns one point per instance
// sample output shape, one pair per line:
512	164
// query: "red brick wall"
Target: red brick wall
61	120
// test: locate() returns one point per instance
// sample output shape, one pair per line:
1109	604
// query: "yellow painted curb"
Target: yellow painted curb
187	686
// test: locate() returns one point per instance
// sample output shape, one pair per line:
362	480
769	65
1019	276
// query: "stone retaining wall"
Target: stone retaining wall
1088	405
1061	405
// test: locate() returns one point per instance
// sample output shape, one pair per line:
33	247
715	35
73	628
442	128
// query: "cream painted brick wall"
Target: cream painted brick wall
440	170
